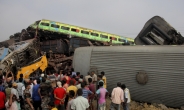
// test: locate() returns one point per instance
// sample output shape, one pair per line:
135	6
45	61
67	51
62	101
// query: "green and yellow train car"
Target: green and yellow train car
52	26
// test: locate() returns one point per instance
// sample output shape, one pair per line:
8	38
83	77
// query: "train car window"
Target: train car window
94	34
122	40
44	24
54	26
74	30
103	36
65	28
84	32
113	38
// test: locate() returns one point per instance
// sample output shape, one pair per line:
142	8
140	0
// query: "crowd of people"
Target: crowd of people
71	91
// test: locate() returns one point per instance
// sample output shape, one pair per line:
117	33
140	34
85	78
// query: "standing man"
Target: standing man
87	77
59	95
27	97
36	97
71	87
100	80
44	92
127	97
94	77
78	75
104	79
19	89
14	91
71	96
117	97
101	94
8	91
73	72
85	92
80	103
92	89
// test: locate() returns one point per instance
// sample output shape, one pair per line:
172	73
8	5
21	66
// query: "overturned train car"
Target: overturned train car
154	74
19	54
157	31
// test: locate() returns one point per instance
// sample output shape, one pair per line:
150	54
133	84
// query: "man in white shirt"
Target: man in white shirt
80	103
19	89
127	97
94	78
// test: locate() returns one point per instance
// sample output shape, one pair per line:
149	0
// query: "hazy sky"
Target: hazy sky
122	17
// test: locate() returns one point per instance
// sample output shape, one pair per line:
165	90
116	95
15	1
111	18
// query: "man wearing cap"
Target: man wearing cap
14	90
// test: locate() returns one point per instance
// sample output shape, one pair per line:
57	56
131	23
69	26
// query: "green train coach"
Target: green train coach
52	26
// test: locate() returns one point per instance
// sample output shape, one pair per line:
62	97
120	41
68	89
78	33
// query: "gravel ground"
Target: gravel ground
139	106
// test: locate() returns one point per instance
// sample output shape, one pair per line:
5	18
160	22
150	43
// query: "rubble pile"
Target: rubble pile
144	106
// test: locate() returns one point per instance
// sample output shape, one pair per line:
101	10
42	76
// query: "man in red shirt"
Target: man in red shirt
2	101
59	95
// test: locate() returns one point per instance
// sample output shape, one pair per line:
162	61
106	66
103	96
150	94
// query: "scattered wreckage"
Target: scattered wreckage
58	40
20	54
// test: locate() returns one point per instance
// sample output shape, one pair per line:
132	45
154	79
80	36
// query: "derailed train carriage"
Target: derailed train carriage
157	31
20	54
153	74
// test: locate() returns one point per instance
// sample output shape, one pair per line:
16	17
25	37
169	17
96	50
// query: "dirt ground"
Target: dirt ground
139	106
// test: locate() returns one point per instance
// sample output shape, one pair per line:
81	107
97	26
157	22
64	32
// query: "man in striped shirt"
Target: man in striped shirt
85	92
